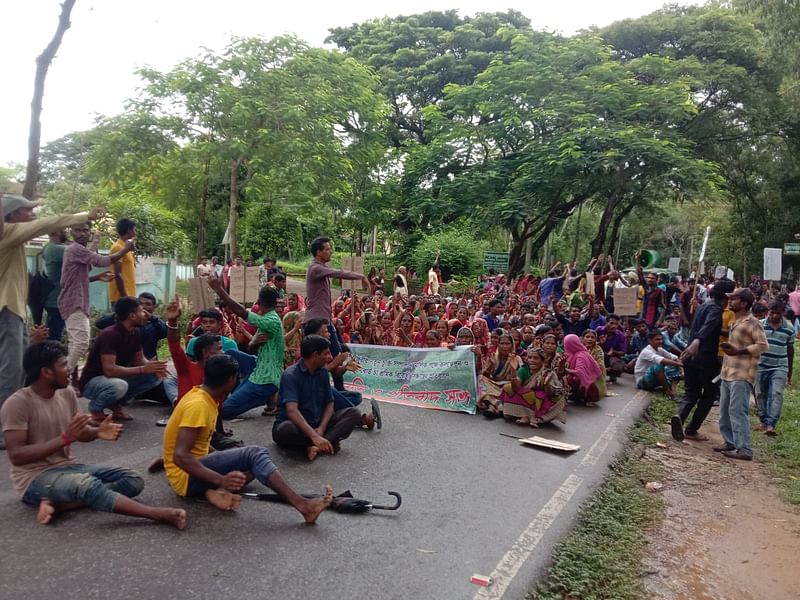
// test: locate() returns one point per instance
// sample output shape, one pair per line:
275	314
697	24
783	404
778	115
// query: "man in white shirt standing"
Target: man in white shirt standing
657	368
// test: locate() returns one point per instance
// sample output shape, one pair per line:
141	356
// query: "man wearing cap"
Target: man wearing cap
746	342
21	226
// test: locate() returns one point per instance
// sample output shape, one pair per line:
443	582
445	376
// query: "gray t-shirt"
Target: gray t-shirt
318	289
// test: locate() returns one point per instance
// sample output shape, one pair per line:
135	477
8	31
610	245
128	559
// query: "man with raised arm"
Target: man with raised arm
261	387
318	287
73	300
20	226
195	473
41	423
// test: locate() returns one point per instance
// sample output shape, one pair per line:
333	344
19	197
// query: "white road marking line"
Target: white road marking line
526	543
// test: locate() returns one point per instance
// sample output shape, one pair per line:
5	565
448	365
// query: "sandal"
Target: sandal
376	413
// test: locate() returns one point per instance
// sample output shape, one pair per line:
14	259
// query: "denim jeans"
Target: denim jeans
770	386
734	415
345	399
247	362
171	388
13	340
96	486
55	323
107	392
251	459
246	397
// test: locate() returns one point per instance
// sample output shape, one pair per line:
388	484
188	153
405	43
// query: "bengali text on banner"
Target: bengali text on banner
425	377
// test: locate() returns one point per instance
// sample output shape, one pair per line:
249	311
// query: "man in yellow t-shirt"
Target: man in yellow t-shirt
124	271
193	472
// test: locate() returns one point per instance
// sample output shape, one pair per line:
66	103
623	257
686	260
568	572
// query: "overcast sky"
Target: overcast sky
93	71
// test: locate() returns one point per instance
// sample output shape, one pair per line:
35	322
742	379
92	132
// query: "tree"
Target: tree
42	65
742	123
289	123
555	124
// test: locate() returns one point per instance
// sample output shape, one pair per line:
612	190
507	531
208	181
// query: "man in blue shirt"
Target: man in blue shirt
306	417
775	367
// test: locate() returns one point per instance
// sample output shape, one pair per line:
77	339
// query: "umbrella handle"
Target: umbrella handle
398	502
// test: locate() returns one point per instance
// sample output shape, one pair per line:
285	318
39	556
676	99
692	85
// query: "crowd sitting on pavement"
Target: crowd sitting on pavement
542	346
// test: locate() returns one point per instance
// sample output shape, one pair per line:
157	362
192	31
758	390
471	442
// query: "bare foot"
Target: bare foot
313	508
156	465
223	499
175	517
312	452
523	421
46	512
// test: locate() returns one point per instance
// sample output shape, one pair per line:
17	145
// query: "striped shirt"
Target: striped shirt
776	358
744	333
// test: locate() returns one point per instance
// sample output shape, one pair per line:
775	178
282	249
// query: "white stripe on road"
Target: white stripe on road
526	543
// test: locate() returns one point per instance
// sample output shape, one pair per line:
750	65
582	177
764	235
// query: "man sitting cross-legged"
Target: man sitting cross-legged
116	369
41	422
656	367
193	472
306	416
338	366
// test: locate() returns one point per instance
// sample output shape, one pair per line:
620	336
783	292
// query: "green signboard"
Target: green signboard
793	248
425	377
495	260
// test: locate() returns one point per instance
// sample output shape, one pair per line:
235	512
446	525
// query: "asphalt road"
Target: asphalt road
473	502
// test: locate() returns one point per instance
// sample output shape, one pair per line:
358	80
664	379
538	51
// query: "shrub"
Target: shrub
460	253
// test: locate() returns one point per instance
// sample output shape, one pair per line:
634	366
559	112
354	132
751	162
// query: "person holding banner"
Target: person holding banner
499	370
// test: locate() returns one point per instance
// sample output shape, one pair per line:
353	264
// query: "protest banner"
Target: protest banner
425	377
625	300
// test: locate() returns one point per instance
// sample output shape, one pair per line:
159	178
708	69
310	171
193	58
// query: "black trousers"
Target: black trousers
341	425
699	392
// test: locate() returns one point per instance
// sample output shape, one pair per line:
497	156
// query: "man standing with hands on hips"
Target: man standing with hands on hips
746	342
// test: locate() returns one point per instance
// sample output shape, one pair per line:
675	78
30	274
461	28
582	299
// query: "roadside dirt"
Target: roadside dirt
727	535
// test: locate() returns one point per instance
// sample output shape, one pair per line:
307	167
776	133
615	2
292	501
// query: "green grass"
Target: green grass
601	556
781	454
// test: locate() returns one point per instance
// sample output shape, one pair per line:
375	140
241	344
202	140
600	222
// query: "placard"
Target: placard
674	264
625	301
244	284
772	264
200	295
355	264
720	272
590	284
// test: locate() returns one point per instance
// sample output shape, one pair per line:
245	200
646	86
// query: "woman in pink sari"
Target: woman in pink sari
582	372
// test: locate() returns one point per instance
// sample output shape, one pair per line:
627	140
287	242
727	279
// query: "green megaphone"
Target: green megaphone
650	259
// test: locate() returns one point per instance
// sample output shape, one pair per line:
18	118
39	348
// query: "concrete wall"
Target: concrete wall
153	274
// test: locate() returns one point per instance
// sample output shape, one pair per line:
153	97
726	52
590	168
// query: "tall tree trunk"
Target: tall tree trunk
599	241
360	241
35	133
201	224
234	205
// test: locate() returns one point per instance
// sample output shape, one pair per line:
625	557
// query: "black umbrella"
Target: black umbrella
343	503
